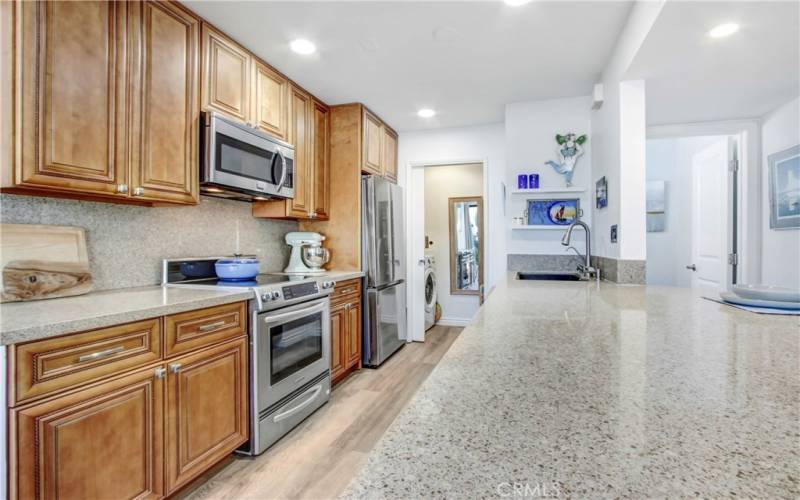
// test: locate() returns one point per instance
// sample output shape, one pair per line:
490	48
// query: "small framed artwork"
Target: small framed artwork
601	193
553	212
614	233
784	189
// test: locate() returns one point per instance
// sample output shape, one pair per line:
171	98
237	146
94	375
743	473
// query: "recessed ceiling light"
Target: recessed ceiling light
303	46
516	3
723	30
426	113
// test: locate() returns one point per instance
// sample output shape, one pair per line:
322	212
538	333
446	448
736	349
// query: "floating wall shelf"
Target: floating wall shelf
549	190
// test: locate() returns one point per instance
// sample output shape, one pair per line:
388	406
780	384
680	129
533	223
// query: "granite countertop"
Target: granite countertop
593	391
39	319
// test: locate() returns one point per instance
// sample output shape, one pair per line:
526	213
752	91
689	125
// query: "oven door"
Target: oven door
292	348
238	157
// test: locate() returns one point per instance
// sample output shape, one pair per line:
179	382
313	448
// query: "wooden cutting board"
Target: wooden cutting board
42	262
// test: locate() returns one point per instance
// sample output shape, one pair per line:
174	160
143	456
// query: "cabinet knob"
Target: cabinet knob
161	372
122	188
175	367
138	191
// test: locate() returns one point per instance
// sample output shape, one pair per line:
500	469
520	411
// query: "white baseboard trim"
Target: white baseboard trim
454	321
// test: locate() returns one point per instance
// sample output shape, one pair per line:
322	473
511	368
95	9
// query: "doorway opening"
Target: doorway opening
692	207
447	214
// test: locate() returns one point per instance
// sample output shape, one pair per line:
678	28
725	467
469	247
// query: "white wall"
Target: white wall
530	131
485	142
668	252
780	248
443	182
618	150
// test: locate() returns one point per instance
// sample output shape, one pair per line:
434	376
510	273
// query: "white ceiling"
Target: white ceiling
385	54
691	77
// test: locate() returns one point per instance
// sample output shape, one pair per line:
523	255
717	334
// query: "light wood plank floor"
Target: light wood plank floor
319	457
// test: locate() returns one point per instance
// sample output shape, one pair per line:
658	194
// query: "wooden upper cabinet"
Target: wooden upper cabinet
321	178
271	101
226	75
71	104
207	410
389	158
373	136
104	441
300	130
166	114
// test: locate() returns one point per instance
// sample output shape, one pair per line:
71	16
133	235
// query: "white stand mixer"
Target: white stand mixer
297	261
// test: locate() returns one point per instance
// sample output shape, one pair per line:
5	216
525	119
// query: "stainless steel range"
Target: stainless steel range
289	344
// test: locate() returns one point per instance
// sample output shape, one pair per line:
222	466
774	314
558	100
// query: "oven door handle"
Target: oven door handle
314	391
274	318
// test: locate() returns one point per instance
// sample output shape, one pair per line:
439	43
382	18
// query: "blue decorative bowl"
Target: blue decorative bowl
236	269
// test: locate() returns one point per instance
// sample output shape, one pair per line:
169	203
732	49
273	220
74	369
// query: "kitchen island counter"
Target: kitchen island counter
589	391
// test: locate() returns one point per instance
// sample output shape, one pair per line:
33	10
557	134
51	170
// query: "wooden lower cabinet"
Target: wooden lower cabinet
101	442
338	335
345	329
206	410
141	431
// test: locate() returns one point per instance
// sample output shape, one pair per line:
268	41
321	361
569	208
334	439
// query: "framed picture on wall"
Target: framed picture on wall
784	189
553	212
601	193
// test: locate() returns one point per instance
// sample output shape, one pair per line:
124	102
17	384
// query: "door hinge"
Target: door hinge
733	166
733	259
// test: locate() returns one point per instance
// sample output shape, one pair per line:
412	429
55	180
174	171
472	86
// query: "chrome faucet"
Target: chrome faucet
586	270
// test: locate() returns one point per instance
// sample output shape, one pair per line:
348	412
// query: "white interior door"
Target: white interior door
710	217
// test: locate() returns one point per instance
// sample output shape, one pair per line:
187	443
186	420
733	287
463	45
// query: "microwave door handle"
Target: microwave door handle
283	170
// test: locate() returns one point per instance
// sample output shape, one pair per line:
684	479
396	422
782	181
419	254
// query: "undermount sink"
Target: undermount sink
545	276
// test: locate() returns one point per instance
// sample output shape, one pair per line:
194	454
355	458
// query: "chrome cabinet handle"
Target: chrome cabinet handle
211	326
122	188
138	191
692	267
175	367
100	354
161	372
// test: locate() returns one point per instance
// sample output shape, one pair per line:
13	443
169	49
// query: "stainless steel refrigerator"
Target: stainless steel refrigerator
383	262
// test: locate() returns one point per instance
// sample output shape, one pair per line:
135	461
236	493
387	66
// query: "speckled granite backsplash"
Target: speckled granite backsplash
126	243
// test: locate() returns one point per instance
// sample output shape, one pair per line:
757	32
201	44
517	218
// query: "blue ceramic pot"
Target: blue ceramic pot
236	268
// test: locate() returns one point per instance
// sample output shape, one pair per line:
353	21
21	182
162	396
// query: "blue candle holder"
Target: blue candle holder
522	181
533	181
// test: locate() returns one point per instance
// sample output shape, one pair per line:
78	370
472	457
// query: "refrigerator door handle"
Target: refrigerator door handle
388	285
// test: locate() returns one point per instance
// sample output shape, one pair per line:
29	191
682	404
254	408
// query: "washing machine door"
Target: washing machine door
430	290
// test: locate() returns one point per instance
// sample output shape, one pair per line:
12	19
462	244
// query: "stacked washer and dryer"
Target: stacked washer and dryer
431	292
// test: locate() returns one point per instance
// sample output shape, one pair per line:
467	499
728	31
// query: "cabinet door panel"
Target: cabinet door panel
71	100
338	337
101	442
271	101
390	154
353	334
206	410
164	144
226	76
373	135
321	158
300	205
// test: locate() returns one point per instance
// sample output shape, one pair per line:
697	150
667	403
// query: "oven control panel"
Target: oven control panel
291	292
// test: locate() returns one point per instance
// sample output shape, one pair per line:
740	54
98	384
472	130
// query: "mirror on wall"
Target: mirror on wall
466	245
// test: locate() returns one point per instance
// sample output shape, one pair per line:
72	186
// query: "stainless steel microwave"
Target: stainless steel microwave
241	162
